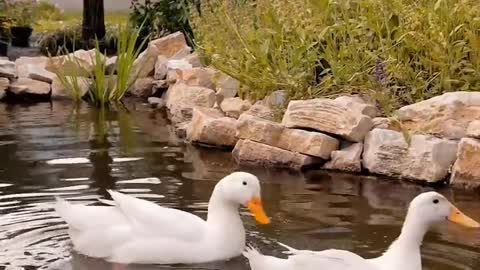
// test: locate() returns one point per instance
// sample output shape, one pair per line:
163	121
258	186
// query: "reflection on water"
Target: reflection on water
49	150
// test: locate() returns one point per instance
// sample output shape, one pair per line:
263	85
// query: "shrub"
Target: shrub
162	17
398	51
67	39
46	10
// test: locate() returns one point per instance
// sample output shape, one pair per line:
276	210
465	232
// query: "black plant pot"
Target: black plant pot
21	36
4	46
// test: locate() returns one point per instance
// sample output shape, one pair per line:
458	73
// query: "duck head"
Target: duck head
241	188
432	207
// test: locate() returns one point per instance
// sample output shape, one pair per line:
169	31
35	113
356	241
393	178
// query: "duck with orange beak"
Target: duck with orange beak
425	210
132	230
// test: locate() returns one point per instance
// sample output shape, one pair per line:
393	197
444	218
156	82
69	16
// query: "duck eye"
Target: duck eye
244	183
435	201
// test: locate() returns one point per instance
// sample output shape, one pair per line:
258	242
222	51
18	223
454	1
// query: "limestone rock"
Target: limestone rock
182	53
111	65
328	116
60	92
234	107
227	86
295	140
161	68
7	69
466	170
171	45
38	73
277	99
196	77
172	76
4	83
359	104
447	115
346	159
144	65
473	129
260	110
160	84
194	60
23	62
251	153
381	122
24	86
178	64
181	99
142	87
156	102
427	158
79	63
209	126
181	129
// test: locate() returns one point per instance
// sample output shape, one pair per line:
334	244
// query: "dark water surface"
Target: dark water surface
313	211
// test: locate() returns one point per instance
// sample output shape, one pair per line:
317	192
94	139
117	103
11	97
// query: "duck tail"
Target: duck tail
61	206
290	250
251	253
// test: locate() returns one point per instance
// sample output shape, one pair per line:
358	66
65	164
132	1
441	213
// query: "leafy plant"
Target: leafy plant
65	40
46	10
101	87
162	17
127	52
321	48
21	13
72	84
105	87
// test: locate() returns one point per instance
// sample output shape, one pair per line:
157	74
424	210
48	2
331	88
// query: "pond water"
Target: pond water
49	150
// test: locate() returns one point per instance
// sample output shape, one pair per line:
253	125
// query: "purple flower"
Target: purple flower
380	74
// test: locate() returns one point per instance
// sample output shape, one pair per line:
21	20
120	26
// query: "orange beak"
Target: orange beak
256	208
460	218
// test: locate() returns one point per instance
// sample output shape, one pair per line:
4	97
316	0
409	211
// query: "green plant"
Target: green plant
46	10
162	17
5	23
127	52
22	14
322	48
101	86
67	39
72	84
105	88
266	45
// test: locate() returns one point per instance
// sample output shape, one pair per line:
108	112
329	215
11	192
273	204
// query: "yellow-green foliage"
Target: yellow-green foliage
398	51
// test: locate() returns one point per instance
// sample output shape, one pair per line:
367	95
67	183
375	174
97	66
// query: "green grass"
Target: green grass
398	52
74	18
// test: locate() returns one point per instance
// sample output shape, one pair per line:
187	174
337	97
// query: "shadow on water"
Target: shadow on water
49	150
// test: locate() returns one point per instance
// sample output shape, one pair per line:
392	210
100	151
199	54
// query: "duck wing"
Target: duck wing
83	217
259	261
151	220
331	259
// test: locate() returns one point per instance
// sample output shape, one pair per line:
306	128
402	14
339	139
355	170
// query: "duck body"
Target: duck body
331	259
133	230
404	253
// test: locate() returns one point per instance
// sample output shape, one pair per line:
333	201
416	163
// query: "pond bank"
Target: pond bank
434	141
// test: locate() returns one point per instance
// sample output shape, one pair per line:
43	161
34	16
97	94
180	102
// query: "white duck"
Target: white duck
404	253
139	231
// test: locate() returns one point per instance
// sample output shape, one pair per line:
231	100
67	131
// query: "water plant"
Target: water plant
105	87
127	52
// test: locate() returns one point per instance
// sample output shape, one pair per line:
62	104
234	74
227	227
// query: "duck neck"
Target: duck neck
221	211
413	231
406	249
